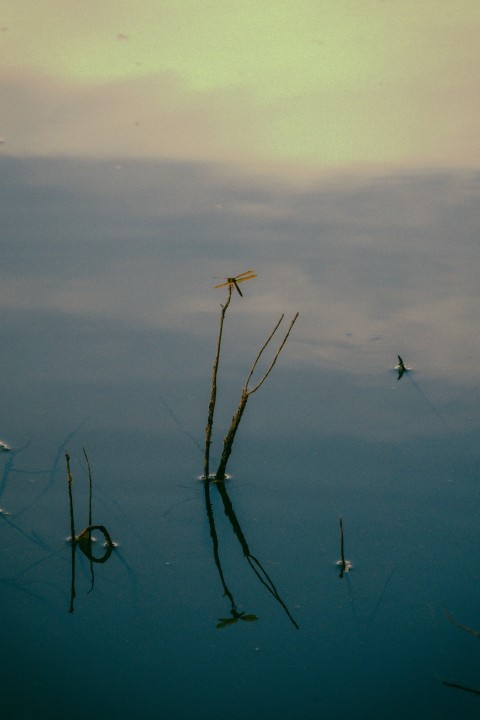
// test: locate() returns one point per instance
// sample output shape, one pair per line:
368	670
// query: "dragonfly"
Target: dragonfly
247	275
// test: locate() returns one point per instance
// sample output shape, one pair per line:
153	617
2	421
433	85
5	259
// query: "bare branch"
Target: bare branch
250	392
213	394
262	349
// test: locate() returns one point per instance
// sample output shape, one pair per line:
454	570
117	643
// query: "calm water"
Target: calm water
230	604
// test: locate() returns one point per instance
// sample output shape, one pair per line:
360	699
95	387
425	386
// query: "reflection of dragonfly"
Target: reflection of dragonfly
247	275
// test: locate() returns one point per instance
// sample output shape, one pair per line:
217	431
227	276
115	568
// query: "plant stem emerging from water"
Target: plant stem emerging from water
246	392
72	533
213	394
342	549
70	497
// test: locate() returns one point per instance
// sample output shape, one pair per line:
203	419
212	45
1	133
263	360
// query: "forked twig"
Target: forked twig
230	436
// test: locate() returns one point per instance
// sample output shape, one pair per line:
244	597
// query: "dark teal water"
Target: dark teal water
230	604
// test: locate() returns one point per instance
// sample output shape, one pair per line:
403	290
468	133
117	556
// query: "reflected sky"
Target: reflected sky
109	323
111	266
305	83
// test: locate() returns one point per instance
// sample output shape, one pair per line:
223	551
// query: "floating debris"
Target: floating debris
344	565
4	447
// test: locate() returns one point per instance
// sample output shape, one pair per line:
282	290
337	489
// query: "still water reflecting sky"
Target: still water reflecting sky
109	323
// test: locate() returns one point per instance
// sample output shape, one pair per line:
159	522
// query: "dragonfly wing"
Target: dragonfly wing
242	279
222	285
247	272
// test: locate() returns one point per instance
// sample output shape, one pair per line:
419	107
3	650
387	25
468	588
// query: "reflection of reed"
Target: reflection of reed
246	391
254	563
475	633
84	540
461	687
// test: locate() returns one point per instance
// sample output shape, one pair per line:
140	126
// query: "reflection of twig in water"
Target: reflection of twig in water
254	563
223	622
461	687
475	633
451	619
53	470
31	536
380	598
179	424
84	540
345	566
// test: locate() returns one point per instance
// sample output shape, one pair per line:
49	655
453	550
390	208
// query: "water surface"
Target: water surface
230	604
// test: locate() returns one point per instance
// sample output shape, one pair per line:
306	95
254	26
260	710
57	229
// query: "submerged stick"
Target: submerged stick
213	393
246	392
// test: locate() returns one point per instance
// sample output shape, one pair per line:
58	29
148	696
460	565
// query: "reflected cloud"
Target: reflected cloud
369	262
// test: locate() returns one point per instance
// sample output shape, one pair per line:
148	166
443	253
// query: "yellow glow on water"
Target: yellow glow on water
315	80
278	47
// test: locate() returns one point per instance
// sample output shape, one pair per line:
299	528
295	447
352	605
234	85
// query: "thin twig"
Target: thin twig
90	487
250	392
263	348
342	545
70	497
213	394
72	534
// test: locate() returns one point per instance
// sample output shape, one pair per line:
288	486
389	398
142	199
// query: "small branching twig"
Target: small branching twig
84	539
246	392
254	389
